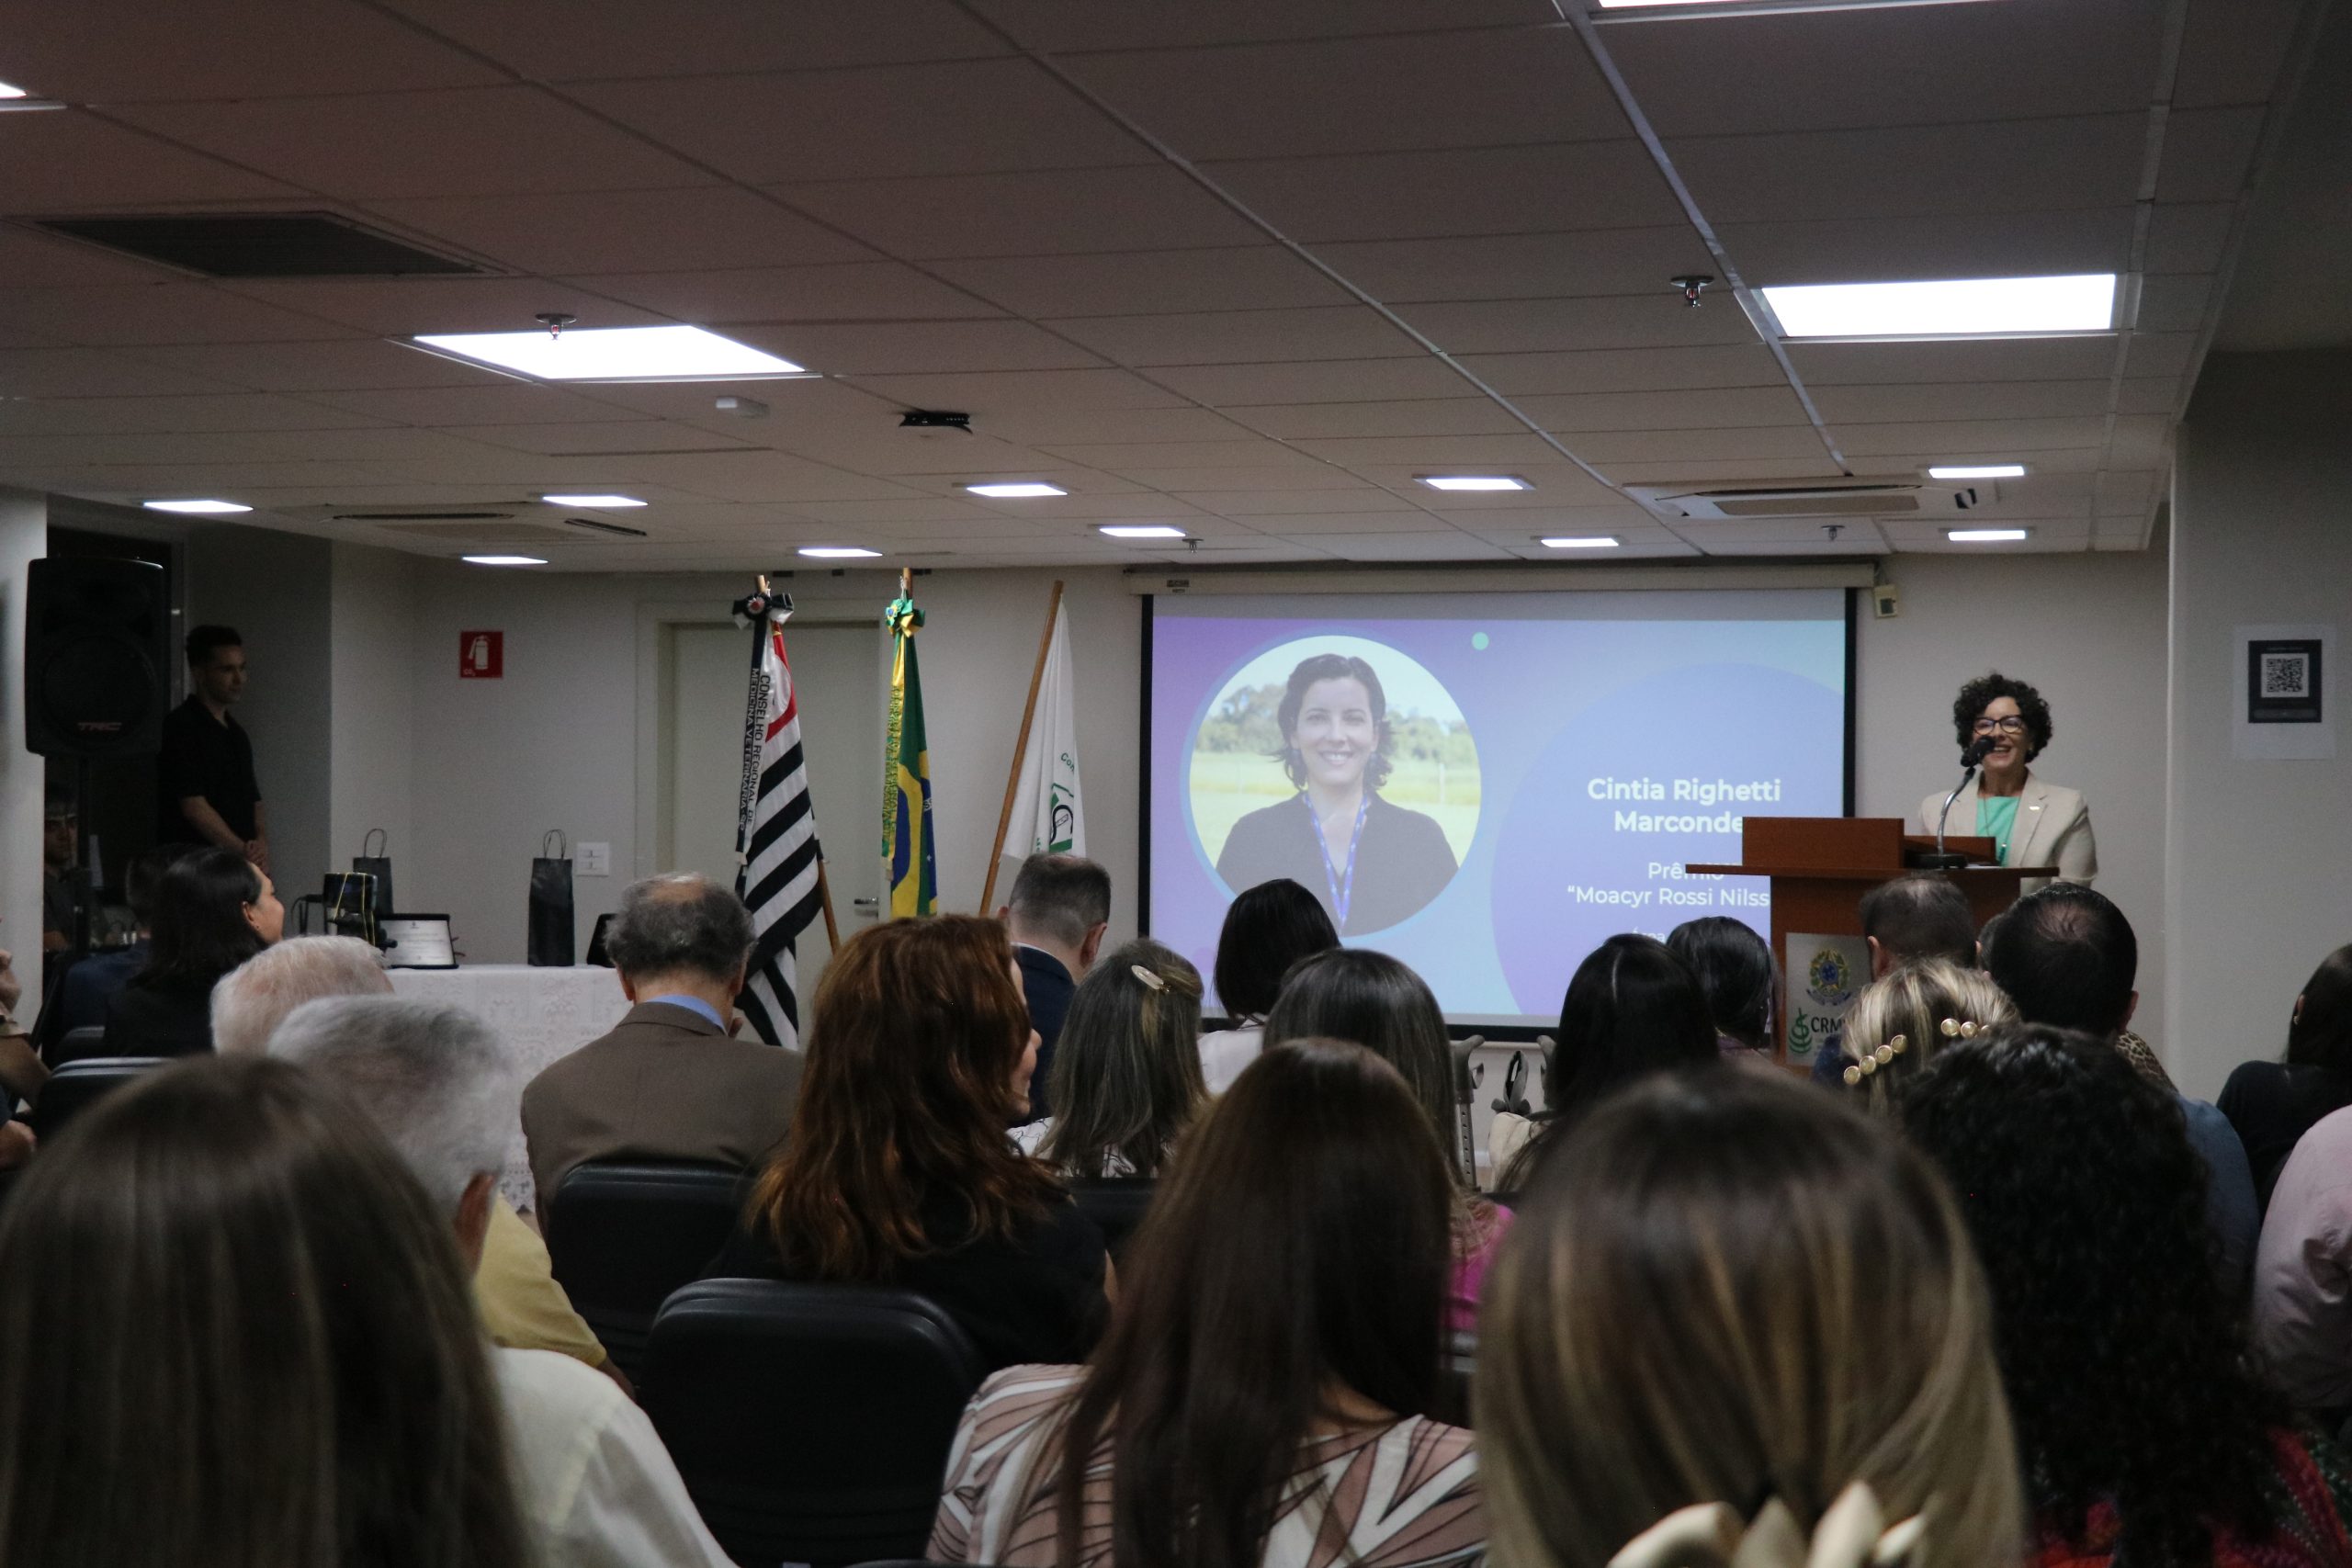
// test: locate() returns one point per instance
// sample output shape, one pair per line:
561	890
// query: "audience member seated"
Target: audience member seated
1922	915
2067	958
2272	1104
213	910
897	1170
596	1484
1262	1394
1370	999
2303	1274
1128	1074
667	1083
1058	911
1699	1307
1736	976
61	871
521	1305
2142	1432
234	1330
84	989
1901	1021
1632	1009
21	1073
1267	929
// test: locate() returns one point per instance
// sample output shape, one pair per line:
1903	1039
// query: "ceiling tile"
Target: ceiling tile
1117	457
1557	483
1329	381
115	51
343	365
2189	237
2175	302
1719	409
1142	282
875	290
1254	476
217	412
884	348
1483	88
2000	359
86	373
2150	394
2234	51
121	315
572	39
72	162
1521	266
30	259
1047	427
1422	416
1057	26
2209	153
1493	190
505	401
1643	321
1445	545
960	117
625	231
1232	337
1969	435
1023	214
1888	401
1983	245
1310	523
760	476
1626	369
586	439
2158	354
1606	448
404	306
1437	453
987	395
1282	503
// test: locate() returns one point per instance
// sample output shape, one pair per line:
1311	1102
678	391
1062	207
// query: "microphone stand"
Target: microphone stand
1943	859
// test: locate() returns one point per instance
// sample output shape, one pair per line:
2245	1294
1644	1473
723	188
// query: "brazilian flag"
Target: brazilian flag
906	773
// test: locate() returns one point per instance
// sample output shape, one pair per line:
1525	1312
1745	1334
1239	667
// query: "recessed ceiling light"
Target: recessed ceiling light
1631	10
1985	536
1981	471
15	98
836	552
1141	531
1015	492
195	507
1473	481
504	561
1968	307
614	354
600	502
1583	542
9	90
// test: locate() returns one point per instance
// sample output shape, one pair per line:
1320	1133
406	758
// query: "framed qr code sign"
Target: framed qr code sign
2283	700
2283	682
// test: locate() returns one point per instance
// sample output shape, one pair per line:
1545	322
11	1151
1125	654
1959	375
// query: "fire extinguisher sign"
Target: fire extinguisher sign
481	656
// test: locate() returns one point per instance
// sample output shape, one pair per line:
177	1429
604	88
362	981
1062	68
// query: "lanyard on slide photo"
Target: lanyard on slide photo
1341	883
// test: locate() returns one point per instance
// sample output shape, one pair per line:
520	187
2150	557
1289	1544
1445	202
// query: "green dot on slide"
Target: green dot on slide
1478	640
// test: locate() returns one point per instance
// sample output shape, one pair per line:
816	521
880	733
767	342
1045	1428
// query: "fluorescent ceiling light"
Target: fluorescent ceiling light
15	98
614	354
1982	471
1968	307
1141	531
9	90
602	503
1984	536
836	552
505	560
1015	492
195	507
1583	542
1473	481
1631	10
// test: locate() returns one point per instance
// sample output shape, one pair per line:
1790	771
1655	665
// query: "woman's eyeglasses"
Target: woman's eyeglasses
2010	726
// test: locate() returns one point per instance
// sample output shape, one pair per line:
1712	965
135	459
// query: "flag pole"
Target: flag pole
824	887
825	892
1020	748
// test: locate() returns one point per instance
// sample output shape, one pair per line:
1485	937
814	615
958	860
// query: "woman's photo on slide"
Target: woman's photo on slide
1343	764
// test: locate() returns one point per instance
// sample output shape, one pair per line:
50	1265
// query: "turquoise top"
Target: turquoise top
1996	818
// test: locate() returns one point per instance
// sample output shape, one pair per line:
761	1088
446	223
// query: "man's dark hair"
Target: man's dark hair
57	800
1989	688
206	641
1269	927
679	921
2067	958
1062	896
1921	916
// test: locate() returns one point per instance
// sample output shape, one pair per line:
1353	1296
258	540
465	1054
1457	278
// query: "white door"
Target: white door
839	675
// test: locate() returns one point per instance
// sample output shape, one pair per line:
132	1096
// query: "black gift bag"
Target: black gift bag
378	865
551	902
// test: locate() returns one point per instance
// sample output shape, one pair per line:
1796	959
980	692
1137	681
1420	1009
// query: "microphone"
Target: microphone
1978	749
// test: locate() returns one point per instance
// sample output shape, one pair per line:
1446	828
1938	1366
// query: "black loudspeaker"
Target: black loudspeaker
97	652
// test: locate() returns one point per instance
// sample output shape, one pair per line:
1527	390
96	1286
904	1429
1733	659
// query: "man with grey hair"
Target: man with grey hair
253	999
591	1472
670	1082
1057	913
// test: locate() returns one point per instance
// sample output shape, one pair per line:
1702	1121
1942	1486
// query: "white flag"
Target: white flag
1049	815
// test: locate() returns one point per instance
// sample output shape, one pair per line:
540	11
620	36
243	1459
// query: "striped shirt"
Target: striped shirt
1400	1495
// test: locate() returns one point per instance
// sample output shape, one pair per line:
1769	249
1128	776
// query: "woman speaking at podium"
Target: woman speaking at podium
2030	822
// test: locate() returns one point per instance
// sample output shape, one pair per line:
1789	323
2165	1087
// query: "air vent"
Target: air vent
260	245
476	534
1807	498
593	526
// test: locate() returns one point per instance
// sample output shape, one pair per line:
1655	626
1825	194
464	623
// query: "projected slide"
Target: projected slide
1485	785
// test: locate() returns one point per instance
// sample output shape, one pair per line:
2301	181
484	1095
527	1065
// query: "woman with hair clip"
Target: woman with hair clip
897	1169
234	1333
2273	1104
1371	1001
1904	1017
1127	1073
213	910
1732	1307
1261	1397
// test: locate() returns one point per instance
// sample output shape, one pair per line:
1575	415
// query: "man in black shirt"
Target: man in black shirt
204	776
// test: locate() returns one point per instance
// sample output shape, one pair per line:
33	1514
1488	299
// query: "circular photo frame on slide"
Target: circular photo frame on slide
1340	763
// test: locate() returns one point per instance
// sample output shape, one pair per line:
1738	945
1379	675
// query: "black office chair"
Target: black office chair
76	1087
623	1235
811	1422
77	1046
1116	1204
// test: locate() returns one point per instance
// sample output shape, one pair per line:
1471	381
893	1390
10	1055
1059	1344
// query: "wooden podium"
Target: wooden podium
1821	866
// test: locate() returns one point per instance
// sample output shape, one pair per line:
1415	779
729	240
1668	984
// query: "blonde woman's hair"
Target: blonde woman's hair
1127	1076
1725	1287
1912	1000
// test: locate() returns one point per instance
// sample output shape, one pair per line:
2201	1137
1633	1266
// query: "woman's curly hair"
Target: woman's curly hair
2122	1350
1981	693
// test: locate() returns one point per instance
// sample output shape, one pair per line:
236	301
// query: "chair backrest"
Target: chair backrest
623	1235
811	1422
77	1045
1116	1204
78	1085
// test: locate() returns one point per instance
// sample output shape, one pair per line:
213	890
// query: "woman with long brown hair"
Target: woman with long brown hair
1261	1397
1125	1081
897	1169
235	1333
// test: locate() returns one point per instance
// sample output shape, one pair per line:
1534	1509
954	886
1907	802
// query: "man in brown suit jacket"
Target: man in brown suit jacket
670	1082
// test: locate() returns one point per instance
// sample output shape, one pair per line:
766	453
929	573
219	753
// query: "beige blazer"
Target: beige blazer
2053	827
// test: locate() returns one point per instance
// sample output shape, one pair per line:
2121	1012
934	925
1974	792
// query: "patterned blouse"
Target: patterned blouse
2310	1498
1402	1495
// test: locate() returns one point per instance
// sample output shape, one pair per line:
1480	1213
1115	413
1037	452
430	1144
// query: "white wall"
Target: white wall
2262	533
372	687
24	538
2088	632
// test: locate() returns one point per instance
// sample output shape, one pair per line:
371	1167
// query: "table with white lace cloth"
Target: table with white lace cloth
542	1014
